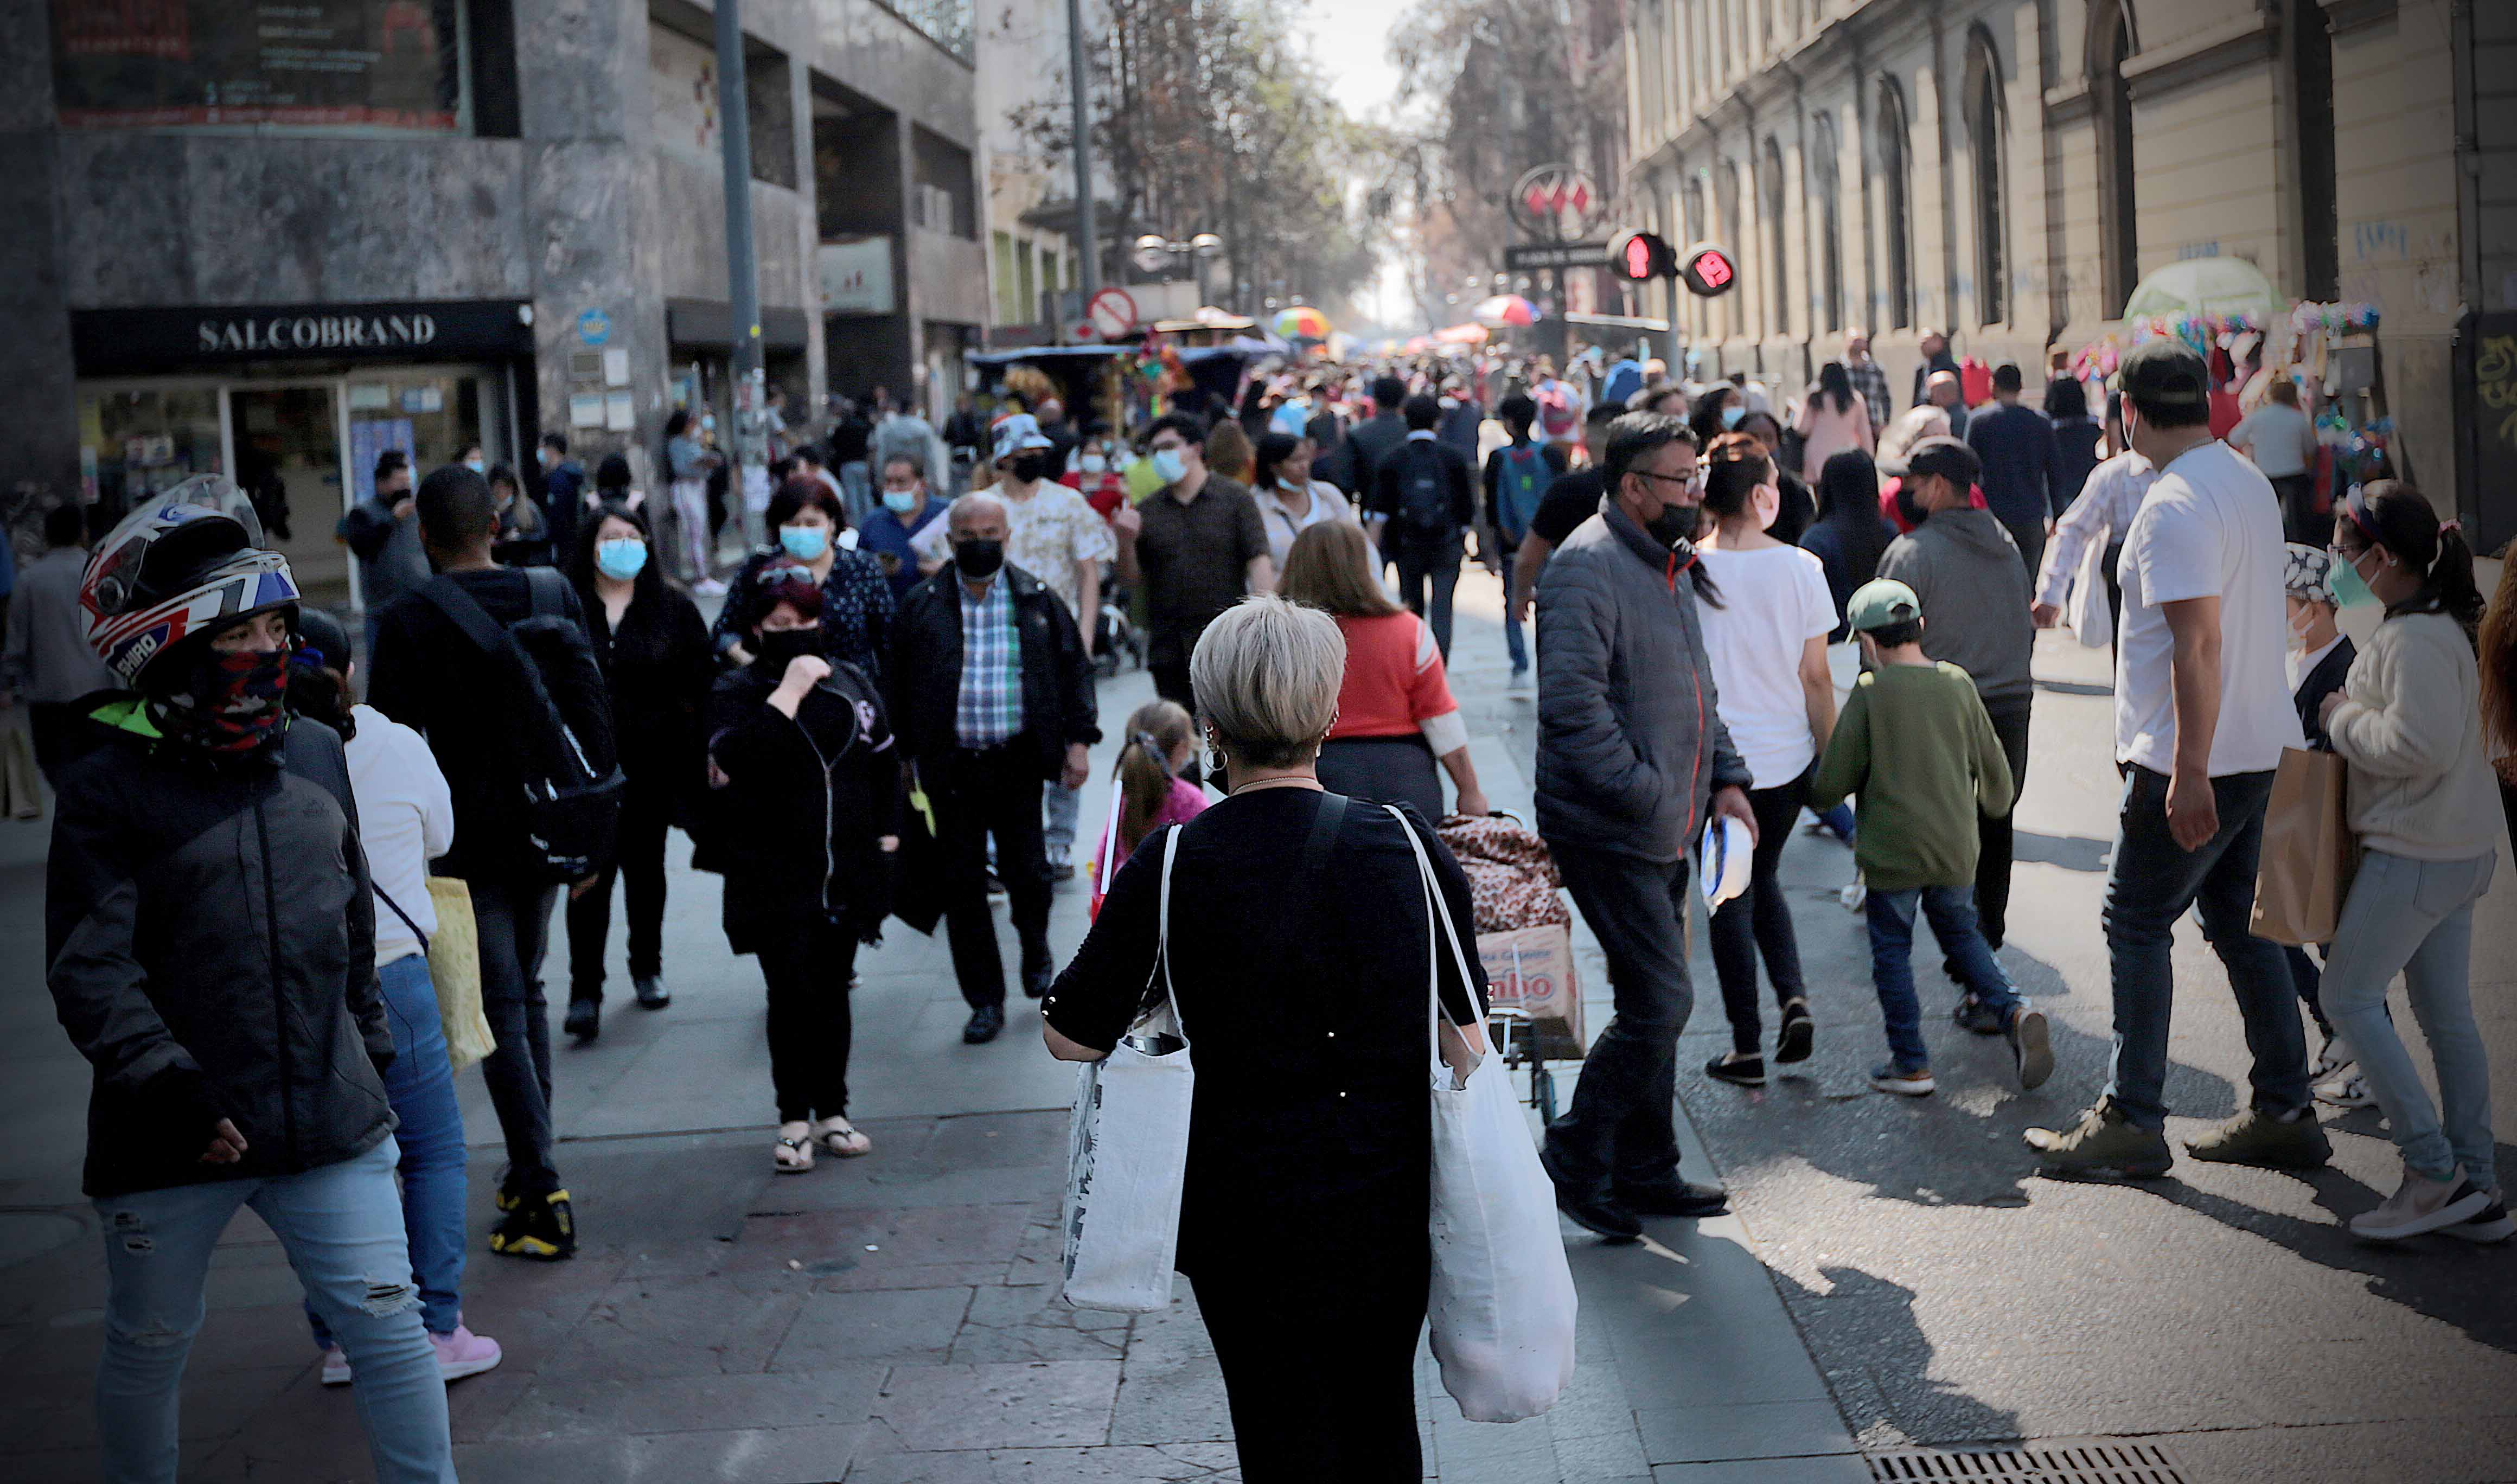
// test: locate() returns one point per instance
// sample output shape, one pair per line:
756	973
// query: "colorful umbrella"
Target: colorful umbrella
1302	322
1506	309
1461	334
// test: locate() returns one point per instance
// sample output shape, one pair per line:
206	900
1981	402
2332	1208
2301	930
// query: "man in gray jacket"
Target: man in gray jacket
1631	755
1965	566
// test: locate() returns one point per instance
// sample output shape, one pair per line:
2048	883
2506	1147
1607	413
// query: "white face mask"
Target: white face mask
1094	463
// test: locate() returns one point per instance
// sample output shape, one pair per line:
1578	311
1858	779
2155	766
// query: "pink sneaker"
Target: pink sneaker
336	1367
464	1353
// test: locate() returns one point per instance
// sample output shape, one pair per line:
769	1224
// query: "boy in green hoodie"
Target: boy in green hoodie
1915	744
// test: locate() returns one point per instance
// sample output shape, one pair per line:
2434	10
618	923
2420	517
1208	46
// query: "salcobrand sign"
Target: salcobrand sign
316	332
125	341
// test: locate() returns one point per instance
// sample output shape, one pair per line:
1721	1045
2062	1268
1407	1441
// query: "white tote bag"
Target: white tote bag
1502	1302
2091	617
1128	1153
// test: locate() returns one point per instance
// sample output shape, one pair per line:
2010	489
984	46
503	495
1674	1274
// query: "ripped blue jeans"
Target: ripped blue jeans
341	1226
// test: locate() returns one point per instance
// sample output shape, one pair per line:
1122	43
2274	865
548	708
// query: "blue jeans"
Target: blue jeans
1840	821
1057	836
2153	882
341	1225
1511	640
856	491
2417	916
421	1088
1951	911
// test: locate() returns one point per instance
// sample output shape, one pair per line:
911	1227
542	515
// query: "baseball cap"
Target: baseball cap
1880	602
2309	572
1946	456
1018	433
2164	371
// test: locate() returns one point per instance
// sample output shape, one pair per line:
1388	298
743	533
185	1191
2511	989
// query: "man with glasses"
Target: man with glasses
1197	544
1627	776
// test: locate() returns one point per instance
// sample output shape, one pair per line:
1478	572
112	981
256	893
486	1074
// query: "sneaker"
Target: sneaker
2422	1204
1974	1015
1855	897
2257	1137
984	1024
2346	1093
2103	1142
2487	1225
1739	1071
464	1353
336	1367
542	1228
1594	1210
585	1020
1674	1197
652	993
1518	684
2336	1056
2031	1047
1799	1033
707	587
1904	1081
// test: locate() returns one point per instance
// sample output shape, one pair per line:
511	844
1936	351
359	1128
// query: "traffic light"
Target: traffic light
1708	271
1638	257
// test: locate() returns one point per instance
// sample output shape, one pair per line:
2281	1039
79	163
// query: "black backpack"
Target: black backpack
543	672
1424	494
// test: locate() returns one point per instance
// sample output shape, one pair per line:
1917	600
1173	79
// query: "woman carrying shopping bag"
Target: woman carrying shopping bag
2407	720
1301	980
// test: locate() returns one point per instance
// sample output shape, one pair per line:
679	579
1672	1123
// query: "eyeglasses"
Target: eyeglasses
1682	481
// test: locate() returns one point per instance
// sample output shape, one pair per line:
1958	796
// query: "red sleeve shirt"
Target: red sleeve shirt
1394	680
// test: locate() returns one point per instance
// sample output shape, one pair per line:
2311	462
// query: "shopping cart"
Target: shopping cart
1508	1032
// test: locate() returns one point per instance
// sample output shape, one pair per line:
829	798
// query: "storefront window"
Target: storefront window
364	66
428	414
134	443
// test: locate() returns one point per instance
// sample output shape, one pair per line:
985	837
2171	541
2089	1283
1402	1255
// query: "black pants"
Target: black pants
1993	836
2114	586
639	863
2029	535
2299	520
1759	920
513	920
977	794
50	726
1427	573
807	969
1618	1130
1321	1379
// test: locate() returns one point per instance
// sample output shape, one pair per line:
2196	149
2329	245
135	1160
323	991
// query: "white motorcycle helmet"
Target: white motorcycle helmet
187	561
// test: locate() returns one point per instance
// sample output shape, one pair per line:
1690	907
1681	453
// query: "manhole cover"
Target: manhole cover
2085	1461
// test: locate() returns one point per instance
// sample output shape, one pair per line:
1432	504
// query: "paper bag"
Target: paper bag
1530	969
454	968
2304	874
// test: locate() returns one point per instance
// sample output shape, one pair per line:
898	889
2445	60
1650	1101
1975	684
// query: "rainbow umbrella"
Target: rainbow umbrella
1302	322
1505	309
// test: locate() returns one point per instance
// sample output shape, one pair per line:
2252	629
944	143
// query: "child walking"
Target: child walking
1161	743
1916	747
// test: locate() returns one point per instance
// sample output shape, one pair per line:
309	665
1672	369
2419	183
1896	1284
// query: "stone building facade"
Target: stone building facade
423	224
2008	170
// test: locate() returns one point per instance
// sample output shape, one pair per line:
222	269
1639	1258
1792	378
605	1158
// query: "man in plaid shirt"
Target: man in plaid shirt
991	697
1868	378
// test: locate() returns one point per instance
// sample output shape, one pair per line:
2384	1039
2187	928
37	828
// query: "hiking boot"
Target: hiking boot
2103	1142
652	993
1974	1015
1740	1069
1904	1081
2257	1137
1674	1197
2487	1225
2031	1047
1593	1208
2422	1204
540	1227
585	1020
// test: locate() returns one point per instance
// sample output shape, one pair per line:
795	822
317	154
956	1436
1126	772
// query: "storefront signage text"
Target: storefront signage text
317	332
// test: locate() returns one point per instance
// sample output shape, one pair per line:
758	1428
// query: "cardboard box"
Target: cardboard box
1530	969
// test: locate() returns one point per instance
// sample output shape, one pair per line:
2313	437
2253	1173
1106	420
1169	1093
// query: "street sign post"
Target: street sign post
1531	257
1111	313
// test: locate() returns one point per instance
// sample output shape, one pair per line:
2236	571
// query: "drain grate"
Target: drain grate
2086	1461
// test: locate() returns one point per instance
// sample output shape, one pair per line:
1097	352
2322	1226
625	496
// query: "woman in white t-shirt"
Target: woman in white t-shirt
1766	638
1290	500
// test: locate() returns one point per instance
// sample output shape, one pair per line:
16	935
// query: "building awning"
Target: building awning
711	322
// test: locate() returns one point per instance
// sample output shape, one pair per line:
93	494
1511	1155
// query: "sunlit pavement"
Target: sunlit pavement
1892	1274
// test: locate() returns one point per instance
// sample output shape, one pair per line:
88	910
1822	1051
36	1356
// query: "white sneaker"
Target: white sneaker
2349	1093
2422	1204
2336	1057
1855	897
336	1367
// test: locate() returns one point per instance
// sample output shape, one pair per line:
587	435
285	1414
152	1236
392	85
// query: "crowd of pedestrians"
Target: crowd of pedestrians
890	714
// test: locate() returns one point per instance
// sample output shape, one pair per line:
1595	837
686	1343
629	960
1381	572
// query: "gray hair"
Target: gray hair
961	509
1266	675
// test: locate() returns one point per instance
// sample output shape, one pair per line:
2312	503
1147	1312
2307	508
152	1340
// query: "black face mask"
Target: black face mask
1673	523
1029	467
777	646
978	556
1908	505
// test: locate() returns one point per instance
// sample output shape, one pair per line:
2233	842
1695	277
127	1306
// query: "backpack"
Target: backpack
1520	484
1424	495
543	672
1556	411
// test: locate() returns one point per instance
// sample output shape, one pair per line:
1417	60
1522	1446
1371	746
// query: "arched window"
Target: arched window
2310	79
1897	188
1989	138
2109	44
1825	179
1726	203
1778	261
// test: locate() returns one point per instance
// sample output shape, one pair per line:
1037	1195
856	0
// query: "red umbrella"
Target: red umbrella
1506	309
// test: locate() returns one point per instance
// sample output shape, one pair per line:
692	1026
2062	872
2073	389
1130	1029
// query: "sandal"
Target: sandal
842	1138
794	1156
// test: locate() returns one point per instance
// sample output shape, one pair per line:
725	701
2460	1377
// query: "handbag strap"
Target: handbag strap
386	897
1435	910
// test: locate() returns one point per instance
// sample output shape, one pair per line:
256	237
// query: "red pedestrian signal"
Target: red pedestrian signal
1708	271
1638	257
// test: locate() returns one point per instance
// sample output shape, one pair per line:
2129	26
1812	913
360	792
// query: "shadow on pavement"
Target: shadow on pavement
1880	1367
2072	852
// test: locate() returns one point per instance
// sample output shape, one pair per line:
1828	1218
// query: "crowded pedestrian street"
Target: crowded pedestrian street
1891	1273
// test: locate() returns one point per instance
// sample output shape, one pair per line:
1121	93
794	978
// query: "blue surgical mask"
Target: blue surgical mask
621	558
900	501
1171	464
1731	414
708	422
2350	589
476	466
1092	463
805	543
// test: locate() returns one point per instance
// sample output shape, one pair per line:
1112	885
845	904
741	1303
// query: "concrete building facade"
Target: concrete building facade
423	226
1022	82
2008	170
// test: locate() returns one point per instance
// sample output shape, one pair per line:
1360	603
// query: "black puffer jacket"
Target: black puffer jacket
211	949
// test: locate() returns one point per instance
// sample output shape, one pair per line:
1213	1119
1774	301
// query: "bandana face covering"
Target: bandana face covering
233	703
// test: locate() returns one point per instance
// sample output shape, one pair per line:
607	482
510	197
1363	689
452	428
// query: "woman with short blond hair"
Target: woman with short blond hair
1302	980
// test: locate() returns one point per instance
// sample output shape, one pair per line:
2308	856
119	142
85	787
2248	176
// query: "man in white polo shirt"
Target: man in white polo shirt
2201	715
